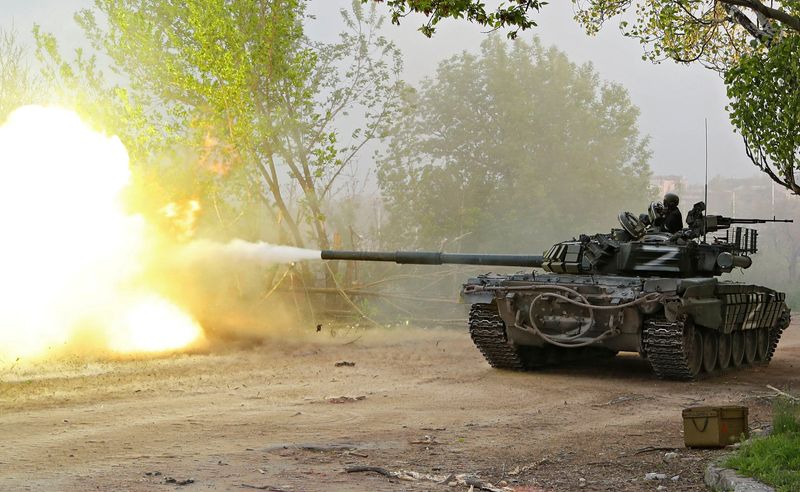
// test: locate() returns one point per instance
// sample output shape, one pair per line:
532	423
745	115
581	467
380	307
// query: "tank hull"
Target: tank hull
683	326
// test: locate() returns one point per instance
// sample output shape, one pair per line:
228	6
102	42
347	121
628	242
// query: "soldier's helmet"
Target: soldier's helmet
671	200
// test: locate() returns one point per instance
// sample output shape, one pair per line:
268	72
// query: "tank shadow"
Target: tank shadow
625	366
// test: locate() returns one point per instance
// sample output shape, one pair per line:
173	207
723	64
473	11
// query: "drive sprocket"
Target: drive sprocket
672	349
488	332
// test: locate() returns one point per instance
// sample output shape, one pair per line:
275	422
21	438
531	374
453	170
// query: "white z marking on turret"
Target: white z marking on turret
669	254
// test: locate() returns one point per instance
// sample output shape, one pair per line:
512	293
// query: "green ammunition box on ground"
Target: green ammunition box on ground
714	427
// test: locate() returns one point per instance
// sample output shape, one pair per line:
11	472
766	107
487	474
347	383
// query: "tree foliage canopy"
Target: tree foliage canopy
752	41
512	149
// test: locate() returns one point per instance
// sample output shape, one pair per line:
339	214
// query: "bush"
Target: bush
774	460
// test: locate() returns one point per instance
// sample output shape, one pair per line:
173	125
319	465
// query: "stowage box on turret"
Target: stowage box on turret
635	289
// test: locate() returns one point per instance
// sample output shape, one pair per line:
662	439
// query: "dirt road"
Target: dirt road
271	417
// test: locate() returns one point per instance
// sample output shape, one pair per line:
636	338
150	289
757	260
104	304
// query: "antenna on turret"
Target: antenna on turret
705	191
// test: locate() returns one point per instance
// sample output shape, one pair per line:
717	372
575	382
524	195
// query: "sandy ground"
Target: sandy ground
267	417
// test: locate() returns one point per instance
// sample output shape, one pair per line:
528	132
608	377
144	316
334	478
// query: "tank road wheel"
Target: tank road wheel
750	346
724	350
488	332
762	345
710	350
737	348
674	348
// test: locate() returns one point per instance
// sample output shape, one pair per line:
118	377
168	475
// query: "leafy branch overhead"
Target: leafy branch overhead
673	27
764	88
515	16
752	43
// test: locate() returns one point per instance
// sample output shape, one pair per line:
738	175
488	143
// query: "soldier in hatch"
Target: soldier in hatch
694	219
671	219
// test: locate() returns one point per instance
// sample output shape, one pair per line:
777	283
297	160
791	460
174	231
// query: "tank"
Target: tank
635	289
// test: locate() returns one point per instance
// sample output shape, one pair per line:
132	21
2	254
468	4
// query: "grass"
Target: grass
775	459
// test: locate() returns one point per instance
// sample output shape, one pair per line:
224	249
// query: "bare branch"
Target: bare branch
781	16
762	163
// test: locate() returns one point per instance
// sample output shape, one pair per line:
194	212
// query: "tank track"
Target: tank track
663	344
776	331
488	332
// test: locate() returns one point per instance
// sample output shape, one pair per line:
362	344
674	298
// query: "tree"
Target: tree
511	150
752	42
259	103
18	83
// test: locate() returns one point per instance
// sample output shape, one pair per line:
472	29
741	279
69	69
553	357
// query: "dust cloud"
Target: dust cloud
241	292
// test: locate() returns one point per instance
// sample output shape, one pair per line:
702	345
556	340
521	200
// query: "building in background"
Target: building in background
672	183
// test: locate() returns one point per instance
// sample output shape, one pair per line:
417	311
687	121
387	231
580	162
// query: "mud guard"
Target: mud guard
705	312
479	297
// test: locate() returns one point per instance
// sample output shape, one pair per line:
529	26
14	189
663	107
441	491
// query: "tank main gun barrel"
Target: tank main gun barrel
435	258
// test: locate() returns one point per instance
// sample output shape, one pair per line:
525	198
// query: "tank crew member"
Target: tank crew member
667	217
695	217
673	219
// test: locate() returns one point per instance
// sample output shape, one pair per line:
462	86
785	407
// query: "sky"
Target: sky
674	99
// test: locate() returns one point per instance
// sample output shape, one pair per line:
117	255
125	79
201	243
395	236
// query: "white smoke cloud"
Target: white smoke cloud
237	250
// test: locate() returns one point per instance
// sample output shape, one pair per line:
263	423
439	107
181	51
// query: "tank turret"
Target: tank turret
643	250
